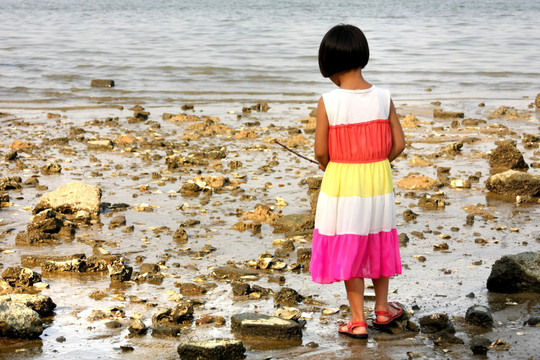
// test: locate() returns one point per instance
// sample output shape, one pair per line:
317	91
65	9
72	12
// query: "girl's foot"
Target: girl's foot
384	318
354	329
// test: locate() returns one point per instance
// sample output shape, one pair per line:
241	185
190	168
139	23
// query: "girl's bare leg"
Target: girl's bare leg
381	296
355	294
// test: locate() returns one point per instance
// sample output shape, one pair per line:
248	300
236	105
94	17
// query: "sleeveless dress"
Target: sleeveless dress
355	223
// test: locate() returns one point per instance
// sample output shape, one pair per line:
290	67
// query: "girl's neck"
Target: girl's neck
350	80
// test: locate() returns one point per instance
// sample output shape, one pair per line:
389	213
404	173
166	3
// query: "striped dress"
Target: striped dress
355	224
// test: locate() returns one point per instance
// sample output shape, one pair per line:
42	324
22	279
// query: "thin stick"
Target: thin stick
295	153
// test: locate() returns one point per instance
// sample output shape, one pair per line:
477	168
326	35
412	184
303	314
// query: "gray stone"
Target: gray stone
19	321
439	328
515	273
533	321
264	326
287	296
215	349
480	345
512	182
71	198
41	304
479	315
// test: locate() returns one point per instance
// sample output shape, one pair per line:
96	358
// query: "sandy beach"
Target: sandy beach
190	191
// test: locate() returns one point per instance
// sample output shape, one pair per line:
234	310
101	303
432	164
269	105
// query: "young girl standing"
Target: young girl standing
358	134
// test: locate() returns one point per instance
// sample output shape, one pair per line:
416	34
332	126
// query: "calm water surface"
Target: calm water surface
207	51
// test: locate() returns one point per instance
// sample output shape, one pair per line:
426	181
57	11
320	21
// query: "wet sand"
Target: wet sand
435	278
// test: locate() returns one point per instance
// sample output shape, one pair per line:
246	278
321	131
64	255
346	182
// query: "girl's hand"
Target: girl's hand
322	167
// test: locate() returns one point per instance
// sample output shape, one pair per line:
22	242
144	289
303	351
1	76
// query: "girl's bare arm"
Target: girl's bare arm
321	136
398	138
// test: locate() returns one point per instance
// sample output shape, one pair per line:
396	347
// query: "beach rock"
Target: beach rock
21	145
190	289
479	315
215	349
533	321
506	156
303	255
41	304
480	345
137	327
420	182
409	215
410	121
171	322
287	296
233	273
176	161
240	288
17	276
51	169
296	223
149	268
12	155
537	101
71	198
119	271
264	326
117	221
512	182
19	321
180	235
77	263
10	183
440	114
38	260
100	145
102	83
515	273
440	329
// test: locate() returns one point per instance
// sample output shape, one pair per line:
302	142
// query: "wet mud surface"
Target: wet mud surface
206	171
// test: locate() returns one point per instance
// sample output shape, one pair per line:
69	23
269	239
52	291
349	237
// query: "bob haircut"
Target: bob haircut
343	48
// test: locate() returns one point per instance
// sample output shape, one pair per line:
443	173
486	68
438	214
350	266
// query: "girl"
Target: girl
358	134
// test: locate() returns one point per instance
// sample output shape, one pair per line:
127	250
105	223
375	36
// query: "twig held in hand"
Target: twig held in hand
295	153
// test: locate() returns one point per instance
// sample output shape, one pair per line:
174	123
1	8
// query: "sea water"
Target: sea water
207	51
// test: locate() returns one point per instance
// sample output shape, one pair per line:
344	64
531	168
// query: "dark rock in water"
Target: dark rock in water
171	322
190	289
513	182
215	349
102	83
479	315
531	141
287	296
515	273
505	157
440	329
10	183
264	326
4	200
113	324
537	101
137	328
19	321
533	321
295	223
41	304
17	276
471	295
480	345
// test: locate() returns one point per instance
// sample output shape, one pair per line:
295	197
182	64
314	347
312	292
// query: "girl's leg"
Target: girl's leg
355	294
381	297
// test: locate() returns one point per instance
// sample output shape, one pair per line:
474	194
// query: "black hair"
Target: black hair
344	47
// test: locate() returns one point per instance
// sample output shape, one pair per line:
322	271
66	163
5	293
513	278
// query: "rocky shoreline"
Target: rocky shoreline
178	234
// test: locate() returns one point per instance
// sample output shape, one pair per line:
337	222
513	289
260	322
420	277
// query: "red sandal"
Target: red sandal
391	318
350	326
